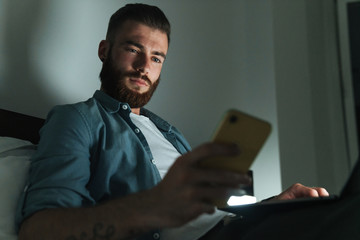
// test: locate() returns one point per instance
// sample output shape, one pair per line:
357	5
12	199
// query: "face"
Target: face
133	63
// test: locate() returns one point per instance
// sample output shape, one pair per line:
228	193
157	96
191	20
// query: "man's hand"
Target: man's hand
188	190
298	190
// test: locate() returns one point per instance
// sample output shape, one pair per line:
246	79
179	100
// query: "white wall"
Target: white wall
313	148
220	57
223	54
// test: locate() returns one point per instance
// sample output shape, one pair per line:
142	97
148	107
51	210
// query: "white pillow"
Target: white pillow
14	165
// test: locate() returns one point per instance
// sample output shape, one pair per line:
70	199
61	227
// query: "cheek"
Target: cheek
122	62
155	73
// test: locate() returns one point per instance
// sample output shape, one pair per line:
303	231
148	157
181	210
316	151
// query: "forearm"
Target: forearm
185	193
117	219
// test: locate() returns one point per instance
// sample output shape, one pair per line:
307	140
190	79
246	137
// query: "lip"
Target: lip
138	81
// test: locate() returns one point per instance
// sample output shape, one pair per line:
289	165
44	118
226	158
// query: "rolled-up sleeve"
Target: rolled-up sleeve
60	169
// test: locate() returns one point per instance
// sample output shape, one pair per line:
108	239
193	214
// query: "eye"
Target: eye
131	50
157	60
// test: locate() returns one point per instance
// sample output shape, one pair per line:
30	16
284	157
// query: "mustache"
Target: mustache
138	75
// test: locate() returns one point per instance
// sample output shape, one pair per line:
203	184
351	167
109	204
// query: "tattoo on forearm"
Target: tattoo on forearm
99	232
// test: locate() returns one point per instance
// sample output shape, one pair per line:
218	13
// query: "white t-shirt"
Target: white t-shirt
164	154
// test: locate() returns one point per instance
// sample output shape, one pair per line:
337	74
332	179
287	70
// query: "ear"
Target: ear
103	50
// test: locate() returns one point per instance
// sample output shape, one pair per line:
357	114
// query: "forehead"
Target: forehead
143	34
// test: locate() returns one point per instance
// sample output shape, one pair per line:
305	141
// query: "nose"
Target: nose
142	64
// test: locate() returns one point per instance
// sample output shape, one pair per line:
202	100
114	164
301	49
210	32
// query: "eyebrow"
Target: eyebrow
138	45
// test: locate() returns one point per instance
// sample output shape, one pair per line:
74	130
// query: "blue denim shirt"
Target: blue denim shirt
90	152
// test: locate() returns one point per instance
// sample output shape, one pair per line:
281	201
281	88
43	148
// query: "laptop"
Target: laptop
262	209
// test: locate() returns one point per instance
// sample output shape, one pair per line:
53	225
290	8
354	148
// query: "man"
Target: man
99	171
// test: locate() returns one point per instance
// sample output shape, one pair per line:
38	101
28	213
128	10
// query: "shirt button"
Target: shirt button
153	161
137	130
156	236
124	107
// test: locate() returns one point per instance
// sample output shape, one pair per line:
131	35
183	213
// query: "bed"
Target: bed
21	126
19	134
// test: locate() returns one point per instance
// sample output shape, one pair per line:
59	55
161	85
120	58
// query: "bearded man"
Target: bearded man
99	170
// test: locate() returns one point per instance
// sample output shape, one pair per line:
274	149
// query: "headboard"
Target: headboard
17	125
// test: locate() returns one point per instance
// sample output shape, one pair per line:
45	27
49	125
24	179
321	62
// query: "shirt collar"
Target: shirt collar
158	121
112	106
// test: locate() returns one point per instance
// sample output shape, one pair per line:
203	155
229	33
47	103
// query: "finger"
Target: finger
209	150
221	177
314	192
321	191
297	190
300	190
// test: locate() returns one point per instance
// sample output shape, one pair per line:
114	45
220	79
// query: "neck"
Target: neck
135	111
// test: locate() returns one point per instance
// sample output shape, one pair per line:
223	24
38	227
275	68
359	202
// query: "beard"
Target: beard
113	83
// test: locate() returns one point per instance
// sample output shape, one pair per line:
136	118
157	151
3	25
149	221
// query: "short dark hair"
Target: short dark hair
148	15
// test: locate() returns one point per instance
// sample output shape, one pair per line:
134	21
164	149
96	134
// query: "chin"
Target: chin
138	90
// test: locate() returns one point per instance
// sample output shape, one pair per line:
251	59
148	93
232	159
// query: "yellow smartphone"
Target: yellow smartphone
247	132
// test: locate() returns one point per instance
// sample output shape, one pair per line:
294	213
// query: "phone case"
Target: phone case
248	132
